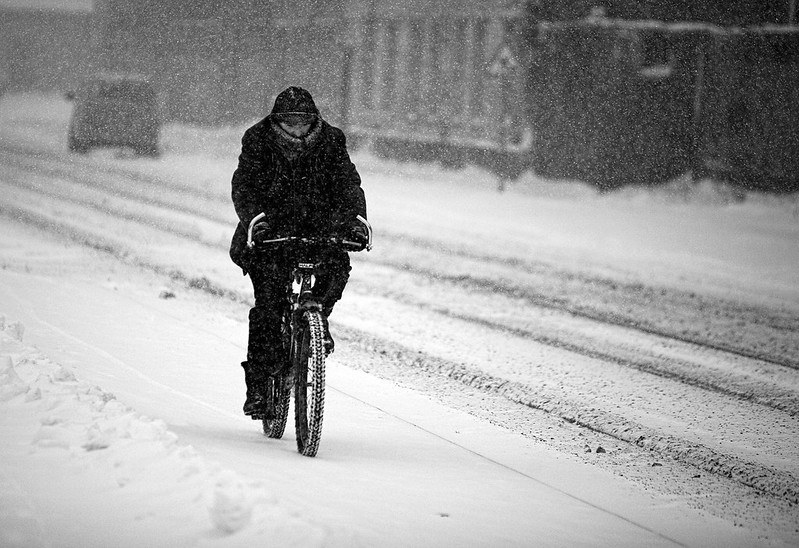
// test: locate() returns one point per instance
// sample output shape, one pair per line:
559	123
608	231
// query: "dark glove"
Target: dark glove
261	232
358	233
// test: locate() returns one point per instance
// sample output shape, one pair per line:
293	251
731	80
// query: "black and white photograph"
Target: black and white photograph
367	273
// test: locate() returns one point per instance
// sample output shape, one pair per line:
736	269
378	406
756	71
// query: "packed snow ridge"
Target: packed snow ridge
50	416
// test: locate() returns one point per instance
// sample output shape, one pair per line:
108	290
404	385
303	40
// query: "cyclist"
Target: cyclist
294	167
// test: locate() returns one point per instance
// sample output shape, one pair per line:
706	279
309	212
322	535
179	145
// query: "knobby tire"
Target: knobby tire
309	385
280	388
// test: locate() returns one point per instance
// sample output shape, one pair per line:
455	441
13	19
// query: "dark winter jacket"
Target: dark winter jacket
307	188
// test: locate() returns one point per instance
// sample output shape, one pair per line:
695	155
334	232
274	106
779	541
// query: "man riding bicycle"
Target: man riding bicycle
295	169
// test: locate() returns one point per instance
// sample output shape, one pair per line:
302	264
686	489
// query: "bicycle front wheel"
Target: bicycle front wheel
309	384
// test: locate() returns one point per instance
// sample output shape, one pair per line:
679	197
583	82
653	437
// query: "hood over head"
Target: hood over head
294	105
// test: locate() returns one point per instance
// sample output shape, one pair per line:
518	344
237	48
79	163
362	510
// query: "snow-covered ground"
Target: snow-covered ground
82	466
120	416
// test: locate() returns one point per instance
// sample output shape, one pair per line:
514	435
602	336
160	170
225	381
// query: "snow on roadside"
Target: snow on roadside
72	452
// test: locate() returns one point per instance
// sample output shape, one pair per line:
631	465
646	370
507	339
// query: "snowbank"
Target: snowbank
64	439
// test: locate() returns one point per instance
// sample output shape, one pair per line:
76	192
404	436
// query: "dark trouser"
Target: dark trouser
270	277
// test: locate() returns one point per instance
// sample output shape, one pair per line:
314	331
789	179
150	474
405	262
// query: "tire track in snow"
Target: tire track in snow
697	455
777	483
162	191
158	217
739	386
572	289
584	296
509	468
763	478
113	359
113	246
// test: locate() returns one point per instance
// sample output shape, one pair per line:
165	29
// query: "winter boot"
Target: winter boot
257	404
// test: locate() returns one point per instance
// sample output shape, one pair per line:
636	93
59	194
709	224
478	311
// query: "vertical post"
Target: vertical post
346	42
501	68
346	73
791	11
229	53
696	144
504	83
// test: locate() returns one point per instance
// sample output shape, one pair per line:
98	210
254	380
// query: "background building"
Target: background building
45	44
610	91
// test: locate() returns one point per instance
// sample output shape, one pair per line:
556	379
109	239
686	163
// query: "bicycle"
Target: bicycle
303	342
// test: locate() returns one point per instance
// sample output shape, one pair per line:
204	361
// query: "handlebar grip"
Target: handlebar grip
250	242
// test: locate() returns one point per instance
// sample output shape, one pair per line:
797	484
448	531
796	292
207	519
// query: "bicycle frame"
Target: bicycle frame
301	299
303	338
303	346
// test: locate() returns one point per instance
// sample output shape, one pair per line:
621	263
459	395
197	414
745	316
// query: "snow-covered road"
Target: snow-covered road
394	468
659	324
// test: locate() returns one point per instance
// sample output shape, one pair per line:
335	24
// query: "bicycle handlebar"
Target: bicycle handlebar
354	246
313	240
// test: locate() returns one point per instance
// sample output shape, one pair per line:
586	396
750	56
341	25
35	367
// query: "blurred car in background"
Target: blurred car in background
114	110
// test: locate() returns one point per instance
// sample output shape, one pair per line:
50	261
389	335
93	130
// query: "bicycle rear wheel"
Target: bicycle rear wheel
280	391
309	384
